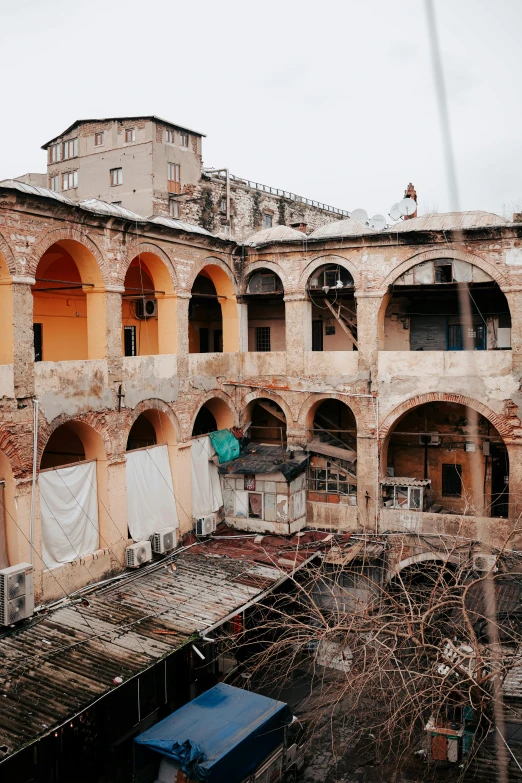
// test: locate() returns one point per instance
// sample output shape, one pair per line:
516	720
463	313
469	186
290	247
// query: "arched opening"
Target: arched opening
6	314
266	312
334	315
446	305
142	434
332	435
213	415
149	308
69	315
213	313
444	457
267	422
72	479
8	526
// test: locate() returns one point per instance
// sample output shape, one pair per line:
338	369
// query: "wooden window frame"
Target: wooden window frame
68	146
97	136
55	153
184	140
173	184
132	133
54	180
114	175
170	136
69	177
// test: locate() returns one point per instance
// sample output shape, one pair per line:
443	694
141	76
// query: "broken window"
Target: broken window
331	481
404	496
452	481
255	505
443	273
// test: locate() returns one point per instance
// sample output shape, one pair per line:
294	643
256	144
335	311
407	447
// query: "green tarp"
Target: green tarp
226	445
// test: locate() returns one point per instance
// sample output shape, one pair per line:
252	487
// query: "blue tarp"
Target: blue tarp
227	732
226	445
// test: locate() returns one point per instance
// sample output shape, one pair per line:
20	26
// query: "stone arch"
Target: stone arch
504	427
69	235
211	261
224	312
220	413
422	557
166	433
8	256
269	395
314	400
151	248
20	458
94	421
256	266
323	260
442	253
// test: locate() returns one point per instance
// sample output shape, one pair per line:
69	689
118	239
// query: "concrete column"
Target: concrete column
368	306
182	310
243	327
112	488
514	298
23	353
298	328
367	481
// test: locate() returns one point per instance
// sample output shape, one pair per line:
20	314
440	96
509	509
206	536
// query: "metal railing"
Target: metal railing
213	174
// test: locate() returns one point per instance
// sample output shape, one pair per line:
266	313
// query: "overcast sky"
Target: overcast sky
331	100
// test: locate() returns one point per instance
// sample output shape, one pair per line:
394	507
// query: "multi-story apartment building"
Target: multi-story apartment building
155	167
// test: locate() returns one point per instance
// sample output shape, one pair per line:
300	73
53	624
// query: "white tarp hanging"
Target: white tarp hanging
151	504
206	486
69	513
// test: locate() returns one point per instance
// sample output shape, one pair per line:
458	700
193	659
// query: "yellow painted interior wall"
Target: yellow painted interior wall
272	315
332	342
63	314
147	343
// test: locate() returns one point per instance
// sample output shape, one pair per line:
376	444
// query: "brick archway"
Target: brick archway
268	395
314	400
324	260
216	394
152	404
505	427
93	420
152	249
71	234
259	265
8	256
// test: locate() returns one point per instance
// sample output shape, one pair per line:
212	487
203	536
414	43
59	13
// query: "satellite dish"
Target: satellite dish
395	212
359	214
377	222
407	206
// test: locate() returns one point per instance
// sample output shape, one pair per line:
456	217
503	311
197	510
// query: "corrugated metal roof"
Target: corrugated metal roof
275	234
259	459
60	662
120	119
104	208
446	221
35	190
403	481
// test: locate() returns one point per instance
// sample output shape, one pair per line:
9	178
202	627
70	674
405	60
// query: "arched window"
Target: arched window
213	313
266	312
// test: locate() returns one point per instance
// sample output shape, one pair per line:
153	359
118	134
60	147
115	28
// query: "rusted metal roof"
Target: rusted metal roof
60	662
404	481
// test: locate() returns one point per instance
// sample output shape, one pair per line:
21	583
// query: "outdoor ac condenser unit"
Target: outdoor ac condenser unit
429	439
146	308
206	525
163	540
16	593
137	554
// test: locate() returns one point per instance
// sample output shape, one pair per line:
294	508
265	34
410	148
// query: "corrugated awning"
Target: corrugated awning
402	481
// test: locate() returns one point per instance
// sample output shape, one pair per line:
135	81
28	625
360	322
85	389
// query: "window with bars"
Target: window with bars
130	135
173	177
174	208
129	340
70	149
69	180
54	182
98	139
262	338
116	177
170	136
183	139
452	481
55	153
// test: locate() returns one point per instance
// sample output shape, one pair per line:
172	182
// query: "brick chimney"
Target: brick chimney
410	192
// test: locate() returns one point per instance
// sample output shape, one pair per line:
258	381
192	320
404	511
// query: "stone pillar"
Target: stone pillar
113	512
23	355
298	333
514	298
368	306
367	481
114	334
182	319
243	326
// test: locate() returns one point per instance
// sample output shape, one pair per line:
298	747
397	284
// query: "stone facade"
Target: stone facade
107	392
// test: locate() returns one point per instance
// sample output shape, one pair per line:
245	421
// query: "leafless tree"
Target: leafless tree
395	650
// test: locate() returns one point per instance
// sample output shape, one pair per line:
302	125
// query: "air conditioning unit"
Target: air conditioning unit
484	562
206	525
137	554
429	439
146	308
16	593
163	540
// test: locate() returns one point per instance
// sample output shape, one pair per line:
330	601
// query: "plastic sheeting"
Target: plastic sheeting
69	513
226	445
151	504
206	487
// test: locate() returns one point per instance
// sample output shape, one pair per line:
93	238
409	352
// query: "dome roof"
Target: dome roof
275	234
341	228
449	220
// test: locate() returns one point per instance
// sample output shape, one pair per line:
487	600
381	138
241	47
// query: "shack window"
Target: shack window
402	497
255	505
262	338
452	481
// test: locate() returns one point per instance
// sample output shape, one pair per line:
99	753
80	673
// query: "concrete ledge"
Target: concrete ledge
65	579
147	377
258	364
490	530
332	516
331	363
396	364
213	365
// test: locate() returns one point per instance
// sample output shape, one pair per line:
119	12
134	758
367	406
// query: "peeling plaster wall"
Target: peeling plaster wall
150	377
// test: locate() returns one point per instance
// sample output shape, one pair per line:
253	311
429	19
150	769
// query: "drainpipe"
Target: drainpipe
33	490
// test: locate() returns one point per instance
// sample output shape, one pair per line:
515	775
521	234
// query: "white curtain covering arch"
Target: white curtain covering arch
206	486
69	513
151	504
